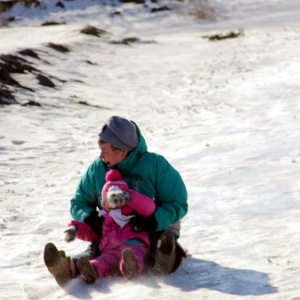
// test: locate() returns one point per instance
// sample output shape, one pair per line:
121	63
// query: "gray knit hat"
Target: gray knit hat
120	133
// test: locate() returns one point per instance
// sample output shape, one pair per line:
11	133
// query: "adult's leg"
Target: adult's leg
61	267
166	253
91	252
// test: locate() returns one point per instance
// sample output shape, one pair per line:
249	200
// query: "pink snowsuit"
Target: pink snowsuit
116	238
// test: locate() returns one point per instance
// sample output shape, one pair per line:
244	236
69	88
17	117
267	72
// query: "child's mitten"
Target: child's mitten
115	192
70	234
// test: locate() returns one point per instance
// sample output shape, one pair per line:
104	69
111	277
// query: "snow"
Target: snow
224	113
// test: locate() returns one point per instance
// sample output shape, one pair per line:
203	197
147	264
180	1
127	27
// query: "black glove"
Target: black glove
95	222
140	223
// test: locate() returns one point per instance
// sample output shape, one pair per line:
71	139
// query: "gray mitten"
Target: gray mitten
70	234
115	193
117	198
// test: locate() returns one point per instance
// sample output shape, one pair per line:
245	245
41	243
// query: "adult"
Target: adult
123	147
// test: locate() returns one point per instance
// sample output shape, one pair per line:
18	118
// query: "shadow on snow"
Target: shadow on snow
196	274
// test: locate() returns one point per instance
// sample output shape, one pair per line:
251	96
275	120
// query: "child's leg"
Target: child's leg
128	265
132	261
107	263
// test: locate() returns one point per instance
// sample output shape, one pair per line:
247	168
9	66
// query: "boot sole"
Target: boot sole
165	254
130	264
86	270
53	261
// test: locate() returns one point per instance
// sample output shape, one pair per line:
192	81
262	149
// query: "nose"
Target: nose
101	155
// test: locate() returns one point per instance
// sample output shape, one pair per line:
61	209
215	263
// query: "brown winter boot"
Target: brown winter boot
86	270
165	254
168	255
58	264
130	266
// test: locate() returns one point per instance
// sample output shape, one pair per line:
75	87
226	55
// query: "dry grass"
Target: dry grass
4	6
200	9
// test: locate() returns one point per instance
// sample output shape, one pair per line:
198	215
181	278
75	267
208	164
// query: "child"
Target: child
121	248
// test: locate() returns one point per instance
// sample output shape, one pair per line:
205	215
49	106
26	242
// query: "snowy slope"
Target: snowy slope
225	113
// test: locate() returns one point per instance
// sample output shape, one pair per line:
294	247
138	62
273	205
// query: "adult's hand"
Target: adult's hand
140	223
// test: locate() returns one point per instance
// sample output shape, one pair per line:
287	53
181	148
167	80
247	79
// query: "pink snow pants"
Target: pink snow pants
110	262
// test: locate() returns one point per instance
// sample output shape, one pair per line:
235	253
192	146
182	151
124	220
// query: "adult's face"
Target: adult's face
111	155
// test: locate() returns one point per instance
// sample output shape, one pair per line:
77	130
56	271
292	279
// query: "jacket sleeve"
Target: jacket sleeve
84	232
141	204
171	194
85	199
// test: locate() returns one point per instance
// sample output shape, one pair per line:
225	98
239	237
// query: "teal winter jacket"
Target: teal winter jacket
148	173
